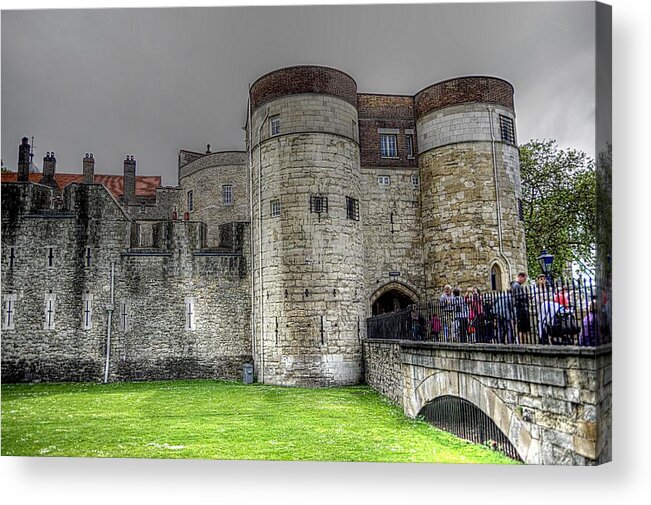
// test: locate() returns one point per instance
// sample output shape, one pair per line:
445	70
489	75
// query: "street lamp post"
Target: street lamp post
545	261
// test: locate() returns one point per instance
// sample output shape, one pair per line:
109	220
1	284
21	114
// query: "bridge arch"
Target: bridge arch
393	295
444	383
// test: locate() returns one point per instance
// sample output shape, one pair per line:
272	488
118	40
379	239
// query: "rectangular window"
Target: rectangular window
49	311
123	323
415	181
190	201
275	208
274	125
409	146
384	180
227	194
506	128
319	204
50	257
189	314
87	311
9	312
388	146
352	208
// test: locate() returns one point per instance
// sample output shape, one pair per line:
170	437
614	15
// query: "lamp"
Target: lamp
545	261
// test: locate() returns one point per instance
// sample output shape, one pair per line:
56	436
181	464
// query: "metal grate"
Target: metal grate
465	420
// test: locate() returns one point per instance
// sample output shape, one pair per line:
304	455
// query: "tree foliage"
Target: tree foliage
559	205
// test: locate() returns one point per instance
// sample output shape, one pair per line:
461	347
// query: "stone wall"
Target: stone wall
390	217
383	368
153	284
552	402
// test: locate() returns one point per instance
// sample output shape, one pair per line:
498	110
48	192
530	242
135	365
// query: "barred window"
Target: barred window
275	208
227	194
384	180
319	204
415	181
409	145
507	130
190	200
274	125
388	146
352	208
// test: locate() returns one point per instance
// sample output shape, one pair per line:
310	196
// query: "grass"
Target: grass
221	420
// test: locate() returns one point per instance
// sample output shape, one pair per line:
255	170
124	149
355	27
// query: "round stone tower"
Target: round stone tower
306	232
470	184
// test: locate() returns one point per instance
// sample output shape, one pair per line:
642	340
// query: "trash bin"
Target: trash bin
248	374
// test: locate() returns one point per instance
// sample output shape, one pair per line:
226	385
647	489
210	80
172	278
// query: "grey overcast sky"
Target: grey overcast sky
149	82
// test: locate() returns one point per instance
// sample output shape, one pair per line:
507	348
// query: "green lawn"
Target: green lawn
221	420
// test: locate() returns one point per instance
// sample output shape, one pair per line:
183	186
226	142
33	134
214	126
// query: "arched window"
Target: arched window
496	278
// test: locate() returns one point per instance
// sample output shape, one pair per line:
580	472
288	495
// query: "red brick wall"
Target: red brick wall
303	79
464	90
385	111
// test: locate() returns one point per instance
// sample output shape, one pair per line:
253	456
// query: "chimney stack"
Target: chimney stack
49	169
23	160
129	191
89	169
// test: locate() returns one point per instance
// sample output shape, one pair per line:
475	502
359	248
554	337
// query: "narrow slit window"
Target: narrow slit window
87	311
409	146
50	257
227	194
124	316
49	311
9	312
190	201
88	257
12	257
190	317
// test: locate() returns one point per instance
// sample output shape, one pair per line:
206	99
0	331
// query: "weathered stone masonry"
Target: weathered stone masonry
554	404
277	254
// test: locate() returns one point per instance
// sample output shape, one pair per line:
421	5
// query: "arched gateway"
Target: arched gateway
391	297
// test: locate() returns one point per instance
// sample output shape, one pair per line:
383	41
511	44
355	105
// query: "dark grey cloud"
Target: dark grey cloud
151	81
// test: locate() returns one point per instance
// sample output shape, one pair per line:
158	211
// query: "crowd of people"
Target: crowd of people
524	314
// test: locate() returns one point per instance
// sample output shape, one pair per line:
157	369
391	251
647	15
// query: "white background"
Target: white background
626	480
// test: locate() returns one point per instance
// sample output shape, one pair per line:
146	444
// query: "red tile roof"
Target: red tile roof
145	184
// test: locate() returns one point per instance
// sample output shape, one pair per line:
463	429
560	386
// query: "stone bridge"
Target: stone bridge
551	402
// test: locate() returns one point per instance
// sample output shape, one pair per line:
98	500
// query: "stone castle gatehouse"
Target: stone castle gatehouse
343	205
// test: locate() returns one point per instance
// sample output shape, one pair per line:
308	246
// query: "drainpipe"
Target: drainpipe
260	245
498	206
251	240
109	314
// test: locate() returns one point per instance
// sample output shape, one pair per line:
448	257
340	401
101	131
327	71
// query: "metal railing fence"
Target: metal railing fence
570	312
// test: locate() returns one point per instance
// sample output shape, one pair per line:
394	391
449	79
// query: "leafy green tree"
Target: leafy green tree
559	204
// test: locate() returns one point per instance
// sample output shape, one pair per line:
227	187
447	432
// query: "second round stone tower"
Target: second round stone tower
468	159
307	240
